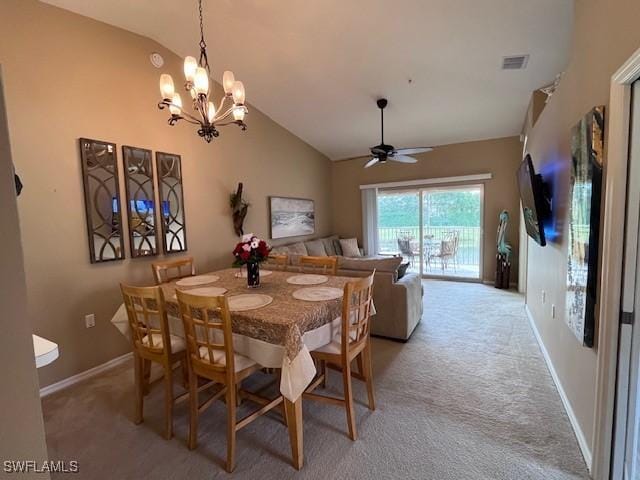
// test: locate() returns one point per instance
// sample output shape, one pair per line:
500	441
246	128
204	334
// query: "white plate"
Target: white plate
197	280
318	294
248	301
243	273
206	291
308	279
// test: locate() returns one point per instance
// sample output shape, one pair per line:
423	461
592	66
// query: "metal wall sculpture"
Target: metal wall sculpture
140	200
584	223
102	200
174	234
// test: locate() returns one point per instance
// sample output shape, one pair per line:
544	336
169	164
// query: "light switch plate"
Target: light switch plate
90	320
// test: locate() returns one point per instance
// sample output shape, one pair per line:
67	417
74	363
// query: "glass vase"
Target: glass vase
253	274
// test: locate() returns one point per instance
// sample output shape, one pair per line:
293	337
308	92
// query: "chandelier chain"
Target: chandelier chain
204	61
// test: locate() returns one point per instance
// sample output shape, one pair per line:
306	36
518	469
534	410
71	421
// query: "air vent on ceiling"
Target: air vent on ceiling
515	62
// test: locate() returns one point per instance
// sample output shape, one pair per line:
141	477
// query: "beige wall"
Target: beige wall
500	157
606	34
67	77
22	431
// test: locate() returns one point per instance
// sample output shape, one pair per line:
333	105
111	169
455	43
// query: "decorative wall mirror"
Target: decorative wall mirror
102	200
140	200
174	234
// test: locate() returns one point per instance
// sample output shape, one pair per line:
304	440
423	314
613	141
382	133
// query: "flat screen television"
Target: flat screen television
141	206
535	200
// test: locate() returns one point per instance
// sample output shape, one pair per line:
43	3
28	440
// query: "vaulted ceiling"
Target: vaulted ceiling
317	66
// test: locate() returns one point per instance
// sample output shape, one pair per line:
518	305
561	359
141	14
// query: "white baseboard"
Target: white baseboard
582	440
92	372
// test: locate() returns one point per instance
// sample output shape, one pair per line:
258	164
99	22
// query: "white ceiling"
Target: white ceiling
317	66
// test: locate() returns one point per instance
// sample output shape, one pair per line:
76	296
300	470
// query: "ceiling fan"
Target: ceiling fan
383	152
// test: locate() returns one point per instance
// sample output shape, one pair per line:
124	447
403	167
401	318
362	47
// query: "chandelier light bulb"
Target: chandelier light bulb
238	92
227	81
176	104
201	81
238	113
211	112
190	67
166	86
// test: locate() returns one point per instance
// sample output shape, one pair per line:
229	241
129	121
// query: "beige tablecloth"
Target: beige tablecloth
280	335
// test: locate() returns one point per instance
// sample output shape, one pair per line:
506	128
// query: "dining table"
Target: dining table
280	334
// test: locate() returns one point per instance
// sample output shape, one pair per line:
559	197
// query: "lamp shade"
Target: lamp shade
211	112
201	81
176	104
166	86
227	81
238	92
238	113
190	67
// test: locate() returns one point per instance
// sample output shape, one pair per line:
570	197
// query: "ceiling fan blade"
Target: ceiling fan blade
371	162
403	159
413	151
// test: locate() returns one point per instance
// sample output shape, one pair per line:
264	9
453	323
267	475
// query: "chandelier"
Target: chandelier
207	117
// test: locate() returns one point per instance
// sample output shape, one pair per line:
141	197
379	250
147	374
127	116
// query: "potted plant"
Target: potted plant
251	251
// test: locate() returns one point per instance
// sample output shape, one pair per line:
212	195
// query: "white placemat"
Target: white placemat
243	273
197	280
307	279
206	291
318	294
248	301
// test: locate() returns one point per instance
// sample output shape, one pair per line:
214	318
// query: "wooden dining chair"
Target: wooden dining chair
278	261
323	265
351	343
166	271
152	342
210	355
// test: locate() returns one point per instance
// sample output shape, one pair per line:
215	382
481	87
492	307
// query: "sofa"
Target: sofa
398	301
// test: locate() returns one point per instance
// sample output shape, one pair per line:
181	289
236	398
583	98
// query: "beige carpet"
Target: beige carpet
468	397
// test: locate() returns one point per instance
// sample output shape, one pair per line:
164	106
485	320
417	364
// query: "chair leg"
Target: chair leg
231	427
348	399
168	399
368	374
139	386
193	410
323	371
146	368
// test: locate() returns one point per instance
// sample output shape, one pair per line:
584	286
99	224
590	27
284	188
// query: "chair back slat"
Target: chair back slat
207	328
164	272
356	312
147	319
278	261
323	265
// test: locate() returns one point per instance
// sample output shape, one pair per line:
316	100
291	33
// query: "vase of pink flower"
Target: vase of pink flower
251	251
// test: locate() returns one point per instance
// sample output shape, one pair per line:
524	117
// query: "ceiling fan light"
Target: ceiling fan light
166	86
238	93
227	82
190	67
201	81
176	104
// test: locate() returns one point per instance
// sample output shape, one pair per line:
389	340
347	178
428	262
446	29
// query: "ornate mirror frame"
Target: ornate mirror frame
171	201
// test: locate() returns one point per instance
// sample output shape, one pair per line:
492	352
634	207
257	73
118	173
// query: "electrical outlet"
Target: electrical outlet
90	320
544	296
553	311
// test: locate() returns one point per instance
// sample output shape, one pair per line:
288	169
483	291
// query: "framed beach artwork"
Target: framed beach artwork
585	185
291	217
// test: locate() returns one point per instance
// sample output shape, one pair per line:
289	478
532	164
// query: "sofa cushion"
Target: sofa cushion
316	248
382	264
350	247
337	247
329	246
402	269
298	249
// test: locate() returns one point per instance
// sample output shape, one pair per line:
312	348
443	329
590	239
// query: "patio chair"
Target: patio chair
404	245
448	250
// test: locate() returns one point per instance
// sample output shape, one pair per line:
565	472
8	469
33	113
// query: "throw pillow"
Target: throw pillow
350	247
298	249
329	246
337	247
316	248
402	270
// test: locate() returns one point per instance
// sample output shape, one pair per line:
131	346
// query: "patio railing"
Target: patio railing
468	250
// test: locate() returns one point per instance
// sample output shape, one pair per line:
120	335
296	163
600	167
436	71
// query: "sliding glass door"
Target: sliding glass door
437	230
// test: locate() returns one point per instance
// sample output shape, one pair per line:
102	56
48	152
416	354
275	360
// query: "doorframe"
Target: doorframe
612	259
